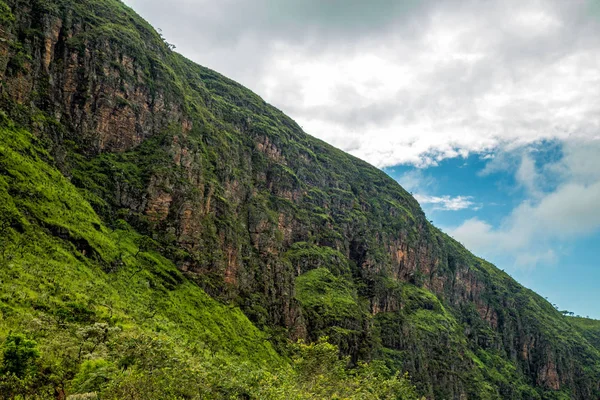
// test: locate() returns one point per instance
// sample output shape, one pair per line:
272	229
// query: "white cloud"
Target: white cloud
419	183
527	175
534	229
405	82
447	203
427	108
417	82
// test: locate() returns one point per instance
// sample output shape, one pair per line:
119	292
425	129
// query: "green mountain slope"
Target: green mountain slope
56	252
176	182
105	313
589	328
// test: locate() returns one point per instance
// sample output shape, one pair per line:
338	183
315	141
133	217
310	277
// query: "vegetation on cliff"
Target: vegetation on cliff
168	234
87	309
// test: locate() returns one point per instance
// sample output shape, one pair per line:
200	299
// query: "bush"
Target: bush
92	375
19	355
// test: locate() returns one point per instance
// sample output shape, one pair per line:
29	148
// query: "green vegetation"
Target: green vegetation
326	295
19	356
589	328
332	308
88	310
165	233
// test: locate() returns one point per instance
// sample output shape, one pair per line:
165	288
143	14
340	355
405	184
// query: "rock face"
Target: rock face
310	241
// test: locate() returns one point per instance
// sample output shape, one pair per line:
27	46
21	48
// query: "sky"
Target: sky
488	111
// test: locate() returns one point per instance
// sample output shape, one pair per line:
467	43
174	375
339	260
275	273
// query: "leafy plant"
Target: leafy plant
19	355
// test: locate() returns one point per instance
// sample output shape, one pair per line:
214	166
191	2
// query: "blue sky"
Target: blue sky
488	111
569	278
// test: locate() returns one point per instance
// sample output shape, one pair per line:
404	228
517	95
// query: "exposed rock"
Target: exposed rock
240	185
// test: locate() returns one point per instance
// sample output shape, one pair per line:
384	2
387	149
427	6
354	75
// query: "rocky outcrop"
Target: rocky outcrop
88	82
245	203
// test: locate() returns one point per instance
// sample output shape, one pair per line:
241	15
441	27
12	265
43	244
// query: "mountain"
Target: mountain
168	234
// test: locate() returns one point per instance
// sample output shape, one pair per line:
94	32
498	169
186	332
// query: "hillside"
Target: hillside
89	309
153	207
589	328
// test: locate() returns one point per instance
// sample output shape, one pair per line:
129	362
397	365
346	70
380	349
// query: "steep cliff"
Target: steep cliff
307	240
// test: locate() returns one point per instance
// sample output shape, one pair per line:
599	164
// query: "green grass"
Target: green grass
53	279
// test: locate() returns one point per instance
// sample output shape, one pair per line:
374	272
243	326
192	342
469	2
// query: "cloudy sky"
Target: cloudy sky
488	111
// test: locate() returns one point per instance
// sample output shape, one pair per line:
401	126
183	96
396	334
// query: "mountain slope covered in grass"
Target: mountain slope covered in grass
168	234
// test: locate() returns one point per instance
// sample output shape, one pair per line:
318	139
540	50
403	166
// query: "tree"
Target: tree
321	374
567	312
20	355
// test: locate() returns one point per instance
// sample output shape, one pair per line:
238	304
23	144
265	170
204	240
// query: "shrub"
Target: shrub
19	355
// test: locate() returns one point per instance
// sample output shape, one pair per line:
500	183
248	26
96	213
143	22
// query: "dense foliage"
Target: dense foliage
125	323
165	233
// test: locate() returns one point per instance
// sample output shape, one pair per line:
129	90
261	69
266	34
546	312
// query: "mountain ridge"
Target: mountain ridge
307	240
